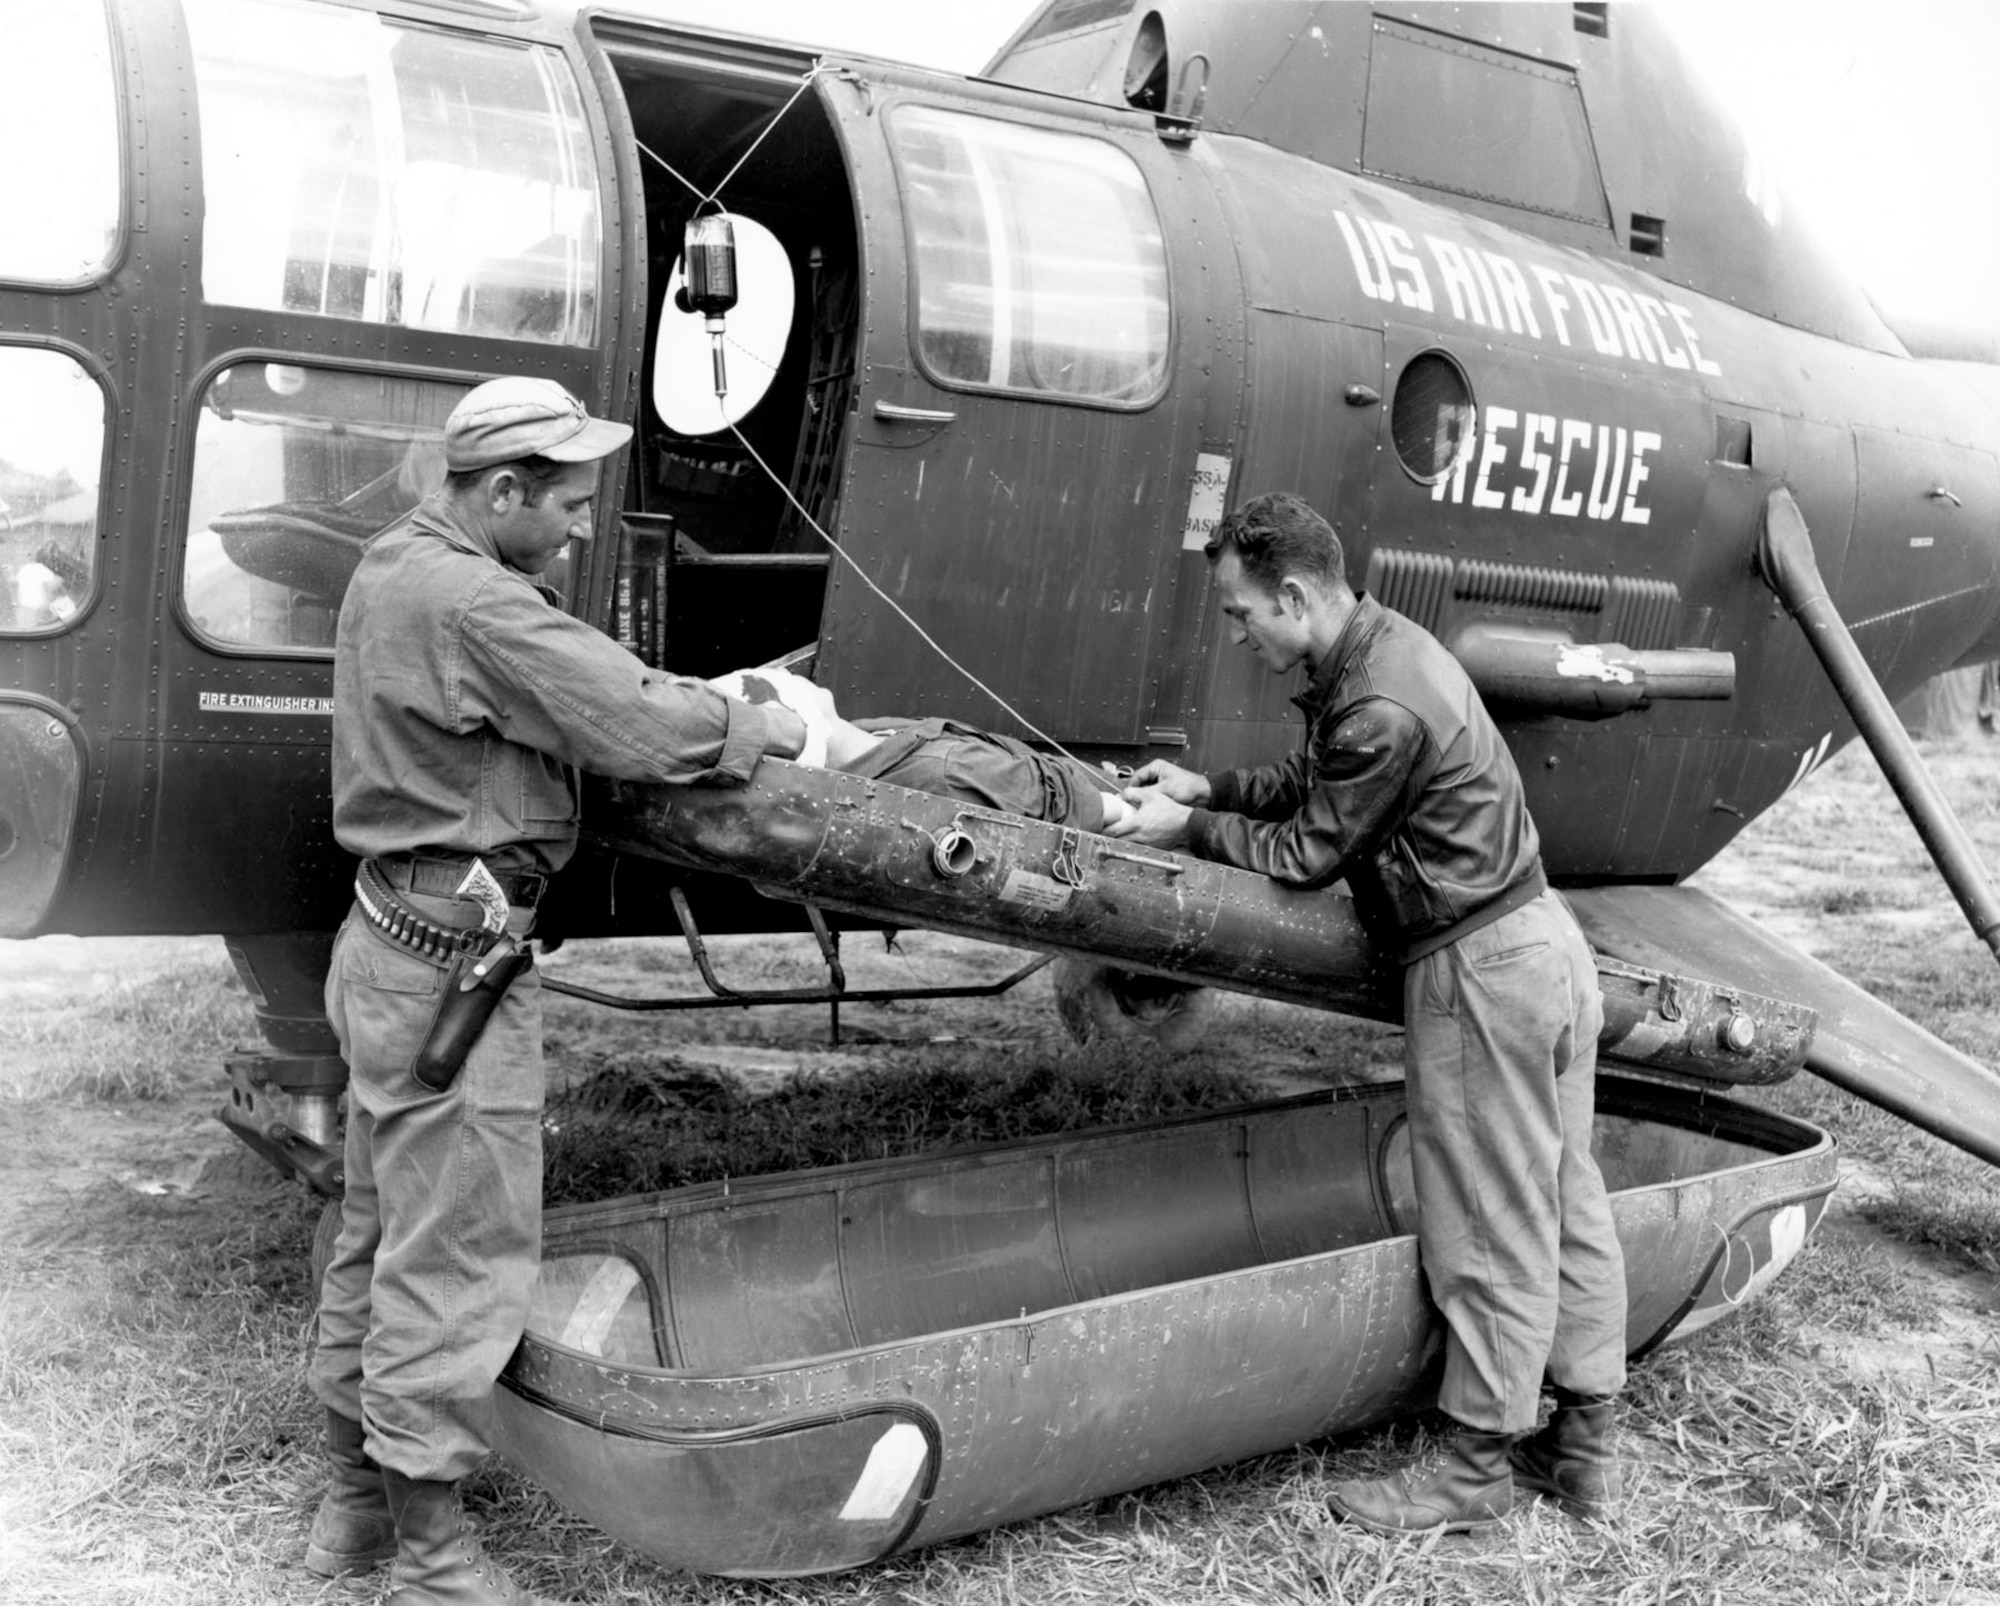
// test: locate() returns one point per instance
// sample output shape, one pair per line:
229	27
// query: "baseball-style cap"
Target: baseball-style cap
505	419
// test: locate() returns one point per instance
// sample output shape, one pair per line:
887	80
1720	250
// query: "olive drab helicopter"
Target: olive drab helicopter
1494	286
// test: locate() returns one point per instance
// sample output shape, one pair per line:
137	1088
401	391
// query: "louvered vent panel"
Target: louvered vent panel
1415	584
1642	613
1517	585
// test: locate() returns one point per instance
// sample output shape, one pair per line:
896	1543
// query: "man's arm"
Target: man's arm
1271	792
551	682
1267	792
1358	793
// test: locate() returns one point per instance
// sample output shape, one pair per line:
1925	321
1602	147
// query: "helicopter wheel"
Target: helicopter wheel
325	1233
1105	1002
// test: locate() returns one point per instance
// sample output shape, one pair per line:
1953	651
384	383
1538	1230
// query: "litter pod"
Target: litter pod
802	1373
871	848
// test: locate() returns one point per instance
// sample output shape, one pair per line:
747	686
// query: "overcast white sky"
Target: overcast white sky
1881	118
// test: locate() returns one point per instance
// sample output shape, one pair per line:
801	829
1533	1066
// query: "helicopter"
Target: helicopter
1582	398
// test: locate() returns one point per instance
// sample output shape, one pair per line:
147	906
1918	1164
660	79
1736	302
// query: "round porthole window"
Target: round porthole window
1431	417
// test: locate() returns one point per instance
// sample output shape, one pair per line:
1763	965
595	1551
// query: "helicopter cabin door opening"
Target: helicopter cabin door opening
717	568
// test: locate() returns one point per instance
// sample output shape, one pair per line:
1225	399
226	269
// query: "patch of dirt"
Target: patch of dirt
55	1154
1961	1330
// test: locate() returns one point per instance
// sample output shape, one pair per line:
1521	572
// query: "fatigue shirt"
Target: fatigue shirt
1403	787
461	693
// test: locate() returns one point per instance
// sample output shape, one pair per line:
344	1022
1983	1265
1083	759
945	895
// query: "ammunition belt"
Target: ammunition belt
405	926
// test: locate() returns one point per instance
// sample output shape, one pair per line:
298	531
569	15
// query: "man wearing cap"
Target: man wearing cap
463	697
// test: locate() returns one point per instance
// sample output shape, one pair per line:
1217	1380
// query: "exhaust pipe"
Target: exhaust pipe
1785	559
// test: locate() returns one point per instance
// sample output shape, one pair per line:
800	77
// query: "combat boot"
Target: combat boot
439	1560
1571	1460
352	1530
1469	1487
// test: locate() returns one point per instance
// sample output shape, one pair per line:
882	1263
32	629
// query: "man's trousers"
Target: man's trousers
440	1237
1514	1227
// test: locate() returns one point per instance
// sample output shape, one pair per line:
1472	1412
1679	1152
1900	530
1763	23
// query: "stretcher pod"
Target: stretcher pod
803	1373
882	851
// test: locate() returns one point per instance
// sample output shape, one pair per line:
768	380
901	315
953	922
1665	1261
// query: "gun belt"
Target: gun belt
406	927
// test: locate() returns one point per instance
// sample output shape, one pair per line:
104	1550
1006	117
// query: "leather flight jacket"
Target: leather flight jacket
1403	788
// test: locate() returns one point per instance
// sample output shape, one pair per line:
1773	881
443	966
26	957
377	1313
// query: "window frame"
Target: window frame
120	244
914	325
1378	162
1471	404
606	189
107	389
180	529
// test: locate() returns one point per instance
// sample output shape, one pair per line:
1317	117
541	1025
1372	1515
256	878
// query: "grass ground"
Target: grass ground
1836	1442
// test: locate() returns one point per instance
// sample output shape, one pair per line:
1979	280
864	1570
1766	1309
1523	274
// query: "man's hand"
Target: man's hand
1170	780
1154	818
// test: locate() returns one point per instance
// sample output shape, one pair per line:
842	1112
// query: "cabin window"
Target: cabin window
294	469
1431	418
357	168
52	420
59	186
1461	117
1039	260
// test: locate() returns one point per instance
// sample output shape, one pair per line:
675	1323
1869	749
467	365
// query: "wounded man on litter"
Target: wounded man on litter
938	755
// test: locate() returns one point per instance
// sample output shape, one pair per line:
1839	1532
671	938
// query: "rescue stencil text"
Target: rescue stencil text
1569	467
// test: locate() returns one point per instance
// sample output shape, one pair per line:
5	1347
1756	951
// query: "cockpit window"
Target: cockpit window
1458	116
1039	260
357	168
51	450
59	195
294	469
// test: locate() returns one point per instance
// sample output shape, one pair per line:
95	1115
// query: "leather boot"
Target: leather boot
1469	1487
352	1529
439	1560
1571	1460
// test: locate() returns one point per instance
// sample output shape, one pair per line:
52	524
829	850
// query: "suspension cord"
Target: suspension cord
694	189
686	183
777	117
896	608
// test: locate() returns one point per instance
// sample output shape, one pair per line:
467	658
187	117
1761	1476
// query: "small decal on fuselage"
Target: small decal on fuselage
241	702
1205	501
